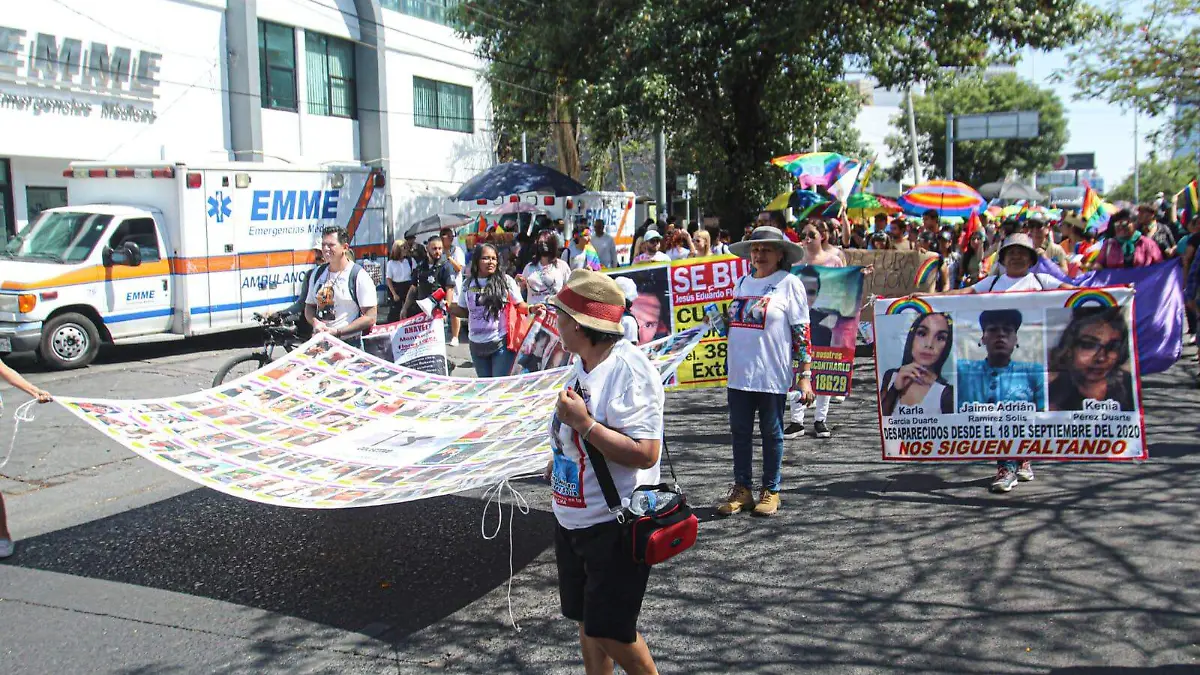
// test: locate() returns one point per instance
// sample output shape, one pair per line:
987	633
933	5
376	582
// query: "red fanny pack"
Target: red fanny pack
658	521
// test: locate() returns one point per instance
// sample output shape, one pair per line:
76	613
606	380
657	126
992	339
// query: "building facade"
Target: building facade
383	82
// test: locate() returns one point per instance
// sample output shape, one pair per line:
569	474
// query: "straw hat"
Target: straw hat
593	300
792	253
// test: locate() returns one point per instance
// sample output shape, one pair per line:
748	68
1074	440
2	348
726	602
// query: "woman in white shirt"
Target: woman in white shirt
546	274
683	247
398	276
768	356
482	303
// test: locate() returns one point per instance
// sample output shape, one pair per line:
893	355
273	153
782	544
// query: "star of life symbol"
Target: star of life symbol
218	206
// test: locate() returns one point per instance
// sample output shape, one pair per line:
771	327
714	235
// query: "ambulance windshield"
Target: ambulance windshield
59	236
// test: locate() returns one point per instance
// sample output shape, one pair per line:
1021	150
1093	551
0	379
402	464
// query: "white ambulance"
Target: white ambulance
158	251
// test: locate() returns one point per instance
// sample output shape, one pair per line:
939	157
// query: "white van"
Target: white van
161	251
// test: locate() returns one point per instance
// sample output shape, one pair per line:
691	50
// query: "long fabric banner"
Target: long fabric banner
1034	375
329	426
676	296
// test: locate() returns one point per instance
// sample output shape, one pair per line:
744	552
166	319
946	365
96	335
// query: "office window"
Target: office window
330	75
437	11
277	65
440	105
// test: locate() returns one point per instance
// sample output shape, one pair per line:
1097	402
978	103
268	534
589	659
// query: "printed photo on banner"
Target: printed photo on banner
1036	375
541	349
834	302
652	306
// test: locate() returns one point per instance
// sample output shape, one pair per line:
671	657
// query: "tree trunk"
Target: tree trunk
565	132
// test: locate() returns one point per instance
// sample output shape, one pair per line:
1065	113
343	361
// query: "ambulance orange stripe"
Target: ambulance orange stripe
360	208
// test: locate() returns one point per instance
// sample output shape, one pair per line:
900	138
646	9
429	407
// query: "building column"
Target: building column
370	80
245	93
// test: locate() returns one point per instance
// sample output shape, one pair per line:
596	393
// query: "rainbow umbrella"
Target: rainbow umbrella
947	197
867	205
813	169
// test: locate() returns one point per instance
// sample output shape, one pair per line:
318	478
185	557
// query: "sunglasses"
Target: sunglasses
811	235
1089	346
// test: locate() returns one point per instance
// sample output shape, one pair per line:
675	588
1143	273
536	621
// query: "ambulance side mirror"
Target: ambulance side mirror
128	254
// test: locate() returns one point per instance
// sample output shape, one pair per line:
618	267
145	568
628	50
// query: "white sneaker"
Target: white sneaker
453	342
838	399
7	548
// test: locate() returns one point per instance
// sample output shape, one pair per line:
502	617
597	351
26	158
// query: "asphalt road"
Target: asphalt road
869	568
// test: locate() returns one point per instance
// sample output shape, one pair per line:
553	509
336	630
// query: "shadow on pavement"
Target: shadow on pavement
395	568
27	363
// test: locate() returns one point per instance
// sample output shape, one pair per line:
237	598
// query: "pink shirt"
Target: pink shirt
1145	252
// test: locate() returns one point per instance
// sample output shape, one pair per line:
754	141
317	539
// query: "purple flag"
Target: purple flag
1158	307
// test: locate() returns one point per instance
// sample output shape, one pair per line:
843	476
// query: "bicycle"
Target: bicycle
280	331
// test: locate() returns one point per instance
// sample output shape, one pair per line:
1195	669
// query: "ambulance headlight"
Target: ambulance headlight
8	304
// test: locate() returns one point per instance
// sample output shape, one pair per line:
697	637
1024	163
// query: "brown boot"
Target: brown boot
768	503
739	498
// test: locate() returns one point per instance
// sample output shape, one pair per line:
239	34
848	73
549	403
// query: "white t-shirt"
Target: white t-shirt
1029	282
606	249
678	253
459	255
658	256
480	326
624	393
399	270
762	314
544	282
344	309
629	326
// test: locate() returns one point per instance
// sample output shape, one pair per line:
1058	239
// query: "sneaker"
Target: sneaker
453	342
738	499
838	399
1025	471
7	548
793	430
768	503
821	430
1006	478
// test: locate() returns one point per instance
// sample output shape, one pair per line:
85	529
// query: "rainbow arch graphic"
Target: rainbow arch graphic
1091	297
916	305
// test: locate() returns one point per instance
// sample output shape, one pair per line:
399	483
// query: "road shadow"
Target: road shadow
402	566
27	362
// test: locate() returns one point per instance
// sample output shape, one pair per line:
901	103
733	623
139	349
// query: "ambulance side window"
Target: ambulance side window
140	231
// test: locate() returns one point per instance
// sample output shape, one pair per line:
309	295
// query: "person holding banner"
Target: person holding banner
815	235
7	546
998	378
482	303
614	409
768	356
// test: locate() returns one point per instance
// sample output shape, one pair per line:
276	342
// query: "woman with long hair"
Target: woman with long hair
398	277
919	384
546	273
1088	363
702	244
682	245
488	290
973	268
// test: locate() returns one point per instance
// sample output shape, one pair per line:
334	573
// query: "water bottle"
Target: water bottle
642	502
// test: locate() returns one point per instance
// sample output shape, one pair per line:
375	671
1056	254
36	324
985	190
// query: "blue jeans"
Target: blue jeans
498	364
770	407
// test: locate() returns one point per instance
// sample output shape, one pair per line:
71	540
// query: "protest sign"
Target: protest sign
328	426
834	300
695	284
541	349
418	342
1035	375
895	272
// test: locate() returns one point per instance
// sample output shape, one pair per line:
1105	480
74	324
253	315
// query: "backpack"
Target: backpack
355	270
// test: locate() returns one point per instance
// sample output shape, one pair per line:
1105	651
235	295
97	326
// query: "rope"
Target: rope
496	494
21	414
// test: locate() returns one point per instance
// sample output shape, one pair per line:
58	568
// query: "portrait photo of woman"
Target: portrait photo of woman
1091	360
919	382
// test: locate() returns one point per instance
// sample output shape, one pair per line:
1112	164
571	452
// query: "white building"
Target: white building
382	82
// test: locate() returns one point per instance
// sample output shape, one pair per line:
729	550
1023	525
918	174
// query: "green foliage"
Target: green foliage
1150	62
978	162
734	84
1167	176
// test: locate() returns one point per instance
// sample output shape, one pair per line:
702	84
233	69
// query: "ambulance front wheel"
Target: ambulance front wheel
69	341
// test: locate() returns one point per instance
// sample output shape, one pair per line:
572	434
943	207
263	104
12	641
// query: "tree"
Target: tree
1167	176
978	162
1149	62
734	82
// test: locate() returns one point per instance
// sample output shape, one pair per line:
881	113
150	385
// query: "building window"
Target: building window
437	11
277	65
330	75
8	219
38	199
440	105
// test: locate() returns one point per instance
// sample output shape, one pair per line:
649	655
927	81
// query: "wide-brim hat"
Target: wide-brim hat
767	234
1020	239
593	300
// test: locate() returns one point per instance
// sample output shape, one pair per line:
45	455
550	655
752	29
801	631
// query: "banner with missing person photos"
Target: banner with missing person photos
1045	375
328	426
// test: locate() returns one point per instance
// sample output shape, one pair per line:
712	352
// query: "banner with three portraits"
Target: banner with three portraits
1042	375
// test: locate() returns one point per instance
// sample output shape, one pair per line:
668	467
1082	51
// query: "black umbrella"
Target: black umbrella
435	223
1010	191
515	178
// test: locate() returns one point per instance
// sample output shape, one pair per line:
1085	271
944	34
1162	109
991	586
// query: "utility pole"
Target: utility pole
1137	173
524	148
660	171
949	146
912	138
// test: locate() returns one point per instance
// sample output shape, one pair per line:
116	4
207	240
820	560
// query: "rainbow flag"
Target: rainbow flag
864	177
816	169
1191	202
591	259
1095	211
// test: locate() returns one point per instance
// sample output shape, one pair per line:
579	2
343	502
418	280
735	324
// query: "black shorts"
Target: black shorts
599	584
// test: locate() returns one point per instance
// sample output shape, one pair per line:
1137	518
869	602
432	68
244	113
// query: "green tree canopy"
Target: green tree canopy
737	83
978	162
1149	61
1167	176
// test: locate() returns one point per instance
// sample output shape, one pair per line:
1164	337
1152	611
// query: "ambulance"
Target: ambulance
618	210
149	252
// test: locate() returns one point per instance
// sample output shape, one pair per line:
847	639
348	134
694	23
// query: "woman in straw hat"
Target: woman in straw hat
615	406
768	356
